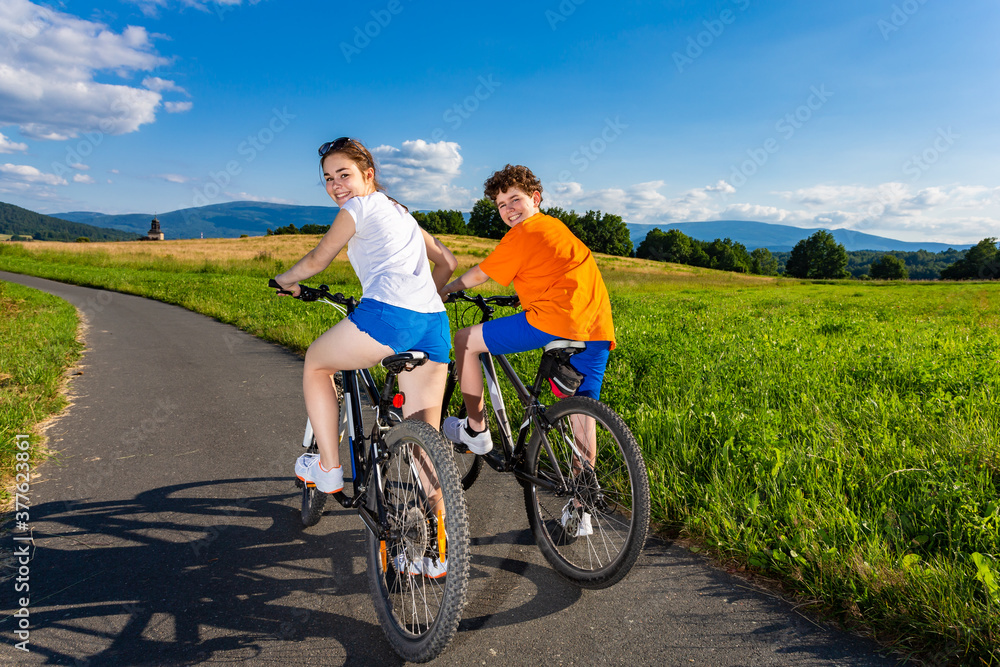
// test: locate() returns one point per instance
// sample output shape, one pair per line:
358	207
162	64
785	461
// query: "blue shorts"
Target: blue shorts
507	335
403	329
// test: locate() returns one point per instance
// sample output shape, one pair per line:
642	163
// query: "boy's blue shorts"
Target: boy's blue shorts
507	335
403	329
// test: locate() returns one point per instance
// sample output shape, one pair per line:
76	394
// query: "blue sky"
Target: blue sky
875	115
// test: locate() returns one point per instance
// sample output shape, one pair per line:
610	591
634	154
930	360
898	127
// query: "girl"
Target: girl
400	308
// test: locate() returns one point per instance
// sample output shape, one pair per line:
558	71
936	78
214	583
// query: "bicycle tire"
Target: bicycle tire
419	615
313	501
614	492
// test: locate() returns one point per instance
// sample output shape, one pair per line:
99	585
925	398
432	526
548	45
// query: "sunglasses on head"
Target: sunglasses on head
335	145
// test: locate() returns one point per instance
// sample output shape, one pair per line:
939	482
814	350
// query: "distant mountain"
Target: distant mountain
17	221
228	220
782	238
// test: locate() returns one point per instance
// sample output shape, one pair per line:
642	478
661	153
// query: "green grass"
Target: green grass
39	343
841	438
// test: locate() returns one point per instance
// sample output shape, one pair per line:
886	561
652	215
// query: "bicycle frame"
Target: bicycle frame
534	413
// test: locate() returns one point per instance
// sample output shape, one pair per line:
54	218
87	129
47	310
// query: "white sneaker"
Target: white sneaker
431	568
310	471
454	430
576	522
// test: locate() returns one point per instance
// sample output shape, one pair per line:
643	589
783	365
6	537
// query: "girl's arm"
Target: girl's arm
471	278
444	261
317	259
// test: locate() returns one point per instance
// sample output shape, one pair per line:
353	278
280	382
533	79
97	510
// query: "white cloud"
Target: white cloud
177	107
8	146
153	7
24	173
48	64
159	85
170	178
947	213
83	178
78	166
420	174
245	196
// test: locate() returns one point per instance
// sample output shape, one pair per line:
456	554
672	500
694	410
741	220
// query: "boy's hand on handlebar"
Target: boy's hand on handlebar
451	297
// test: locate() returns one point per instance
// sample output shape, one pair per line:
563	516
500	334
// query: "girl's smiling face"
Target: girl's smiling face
344	179
516	206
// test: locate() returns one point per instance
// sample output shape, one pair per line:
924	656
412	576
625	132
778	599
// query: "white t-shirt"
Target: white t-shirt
387	252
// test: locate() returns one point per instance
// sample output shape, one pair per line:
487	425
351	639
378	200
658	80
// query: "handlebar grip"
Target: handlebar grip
274	283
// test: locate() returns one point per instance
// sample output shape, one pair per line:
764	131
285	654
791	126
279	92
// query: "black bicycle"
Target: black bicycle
393	473
586	489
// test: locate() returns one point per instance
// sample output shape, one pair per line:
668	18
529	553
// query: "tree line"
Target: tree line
821	256
601	232
24	225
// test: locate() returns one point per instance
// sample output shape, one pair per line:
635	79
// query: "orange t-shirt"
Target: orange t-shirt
556	279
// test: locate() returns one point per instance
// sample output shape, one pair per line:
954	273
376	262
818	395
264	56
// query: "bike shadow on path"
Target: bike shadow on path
222	569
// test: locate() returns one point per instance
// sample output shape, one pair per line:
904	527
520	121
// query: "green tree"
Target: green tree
763	263
819	256
670	246
485	221
888	267
604	232
981	262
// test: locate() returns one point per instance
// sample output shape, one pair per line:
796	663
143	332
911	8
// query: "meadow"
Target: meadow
39	342
841	439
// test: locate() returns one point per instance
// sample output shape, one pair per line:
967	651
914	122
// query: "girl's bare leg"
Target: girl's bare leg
343	347
424	391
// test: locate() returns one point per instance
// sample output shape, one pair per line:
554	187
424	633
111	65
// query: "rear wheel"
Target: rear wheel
418	606
593	524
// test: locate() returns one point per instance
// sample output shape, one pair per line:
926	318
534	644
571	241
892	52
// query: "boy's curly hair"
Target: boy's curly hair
512	176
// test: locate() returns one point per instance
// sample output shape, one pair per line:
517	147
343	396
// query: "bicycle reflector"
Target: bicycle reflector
398	400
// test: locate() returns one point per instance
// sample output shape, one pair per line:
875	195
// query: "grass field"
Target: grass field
843	438
38	334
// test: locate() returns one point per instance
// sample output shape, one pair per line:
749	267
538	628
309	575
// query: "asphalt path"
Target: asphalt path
166	532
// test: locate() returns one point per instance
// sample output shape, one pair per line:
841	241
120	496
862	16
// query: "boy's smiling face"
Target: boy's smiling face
515	206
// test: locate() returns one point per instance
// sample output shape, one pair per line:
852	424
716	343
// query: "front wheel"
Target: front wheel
418	570
593	523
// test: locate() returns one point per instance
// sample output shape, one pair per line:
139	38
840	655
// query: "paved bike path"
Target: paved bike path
167	533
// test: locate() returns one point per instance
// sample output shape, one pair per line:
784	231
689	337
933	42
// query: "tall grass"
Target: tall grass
39	343
842	437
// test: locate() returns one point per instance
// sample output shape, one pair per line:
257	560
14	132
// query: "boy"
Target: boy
562	295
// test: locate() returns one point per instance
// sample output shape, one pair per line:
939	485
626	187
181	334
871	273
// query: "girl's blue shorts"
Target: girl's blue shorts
403	329
507	335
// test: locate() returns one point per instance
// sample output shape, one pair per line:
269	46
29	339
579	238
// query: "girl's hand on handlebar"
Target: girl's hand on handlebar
292	291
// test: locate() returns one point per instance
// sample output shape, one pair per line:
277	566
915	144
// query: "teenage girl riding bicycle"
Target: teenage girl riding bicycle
400	307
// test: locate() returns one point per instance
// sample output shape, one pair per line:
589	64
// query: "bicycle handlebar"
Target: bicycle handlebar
485	302
307	293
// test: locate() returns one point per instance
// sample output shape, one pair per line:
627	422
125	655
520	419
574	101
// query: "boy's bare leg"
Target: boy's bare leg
469	344
585	437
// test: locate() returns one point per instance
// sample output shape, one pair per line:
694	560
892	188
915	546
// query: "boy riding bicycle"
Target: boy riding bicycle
562	295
